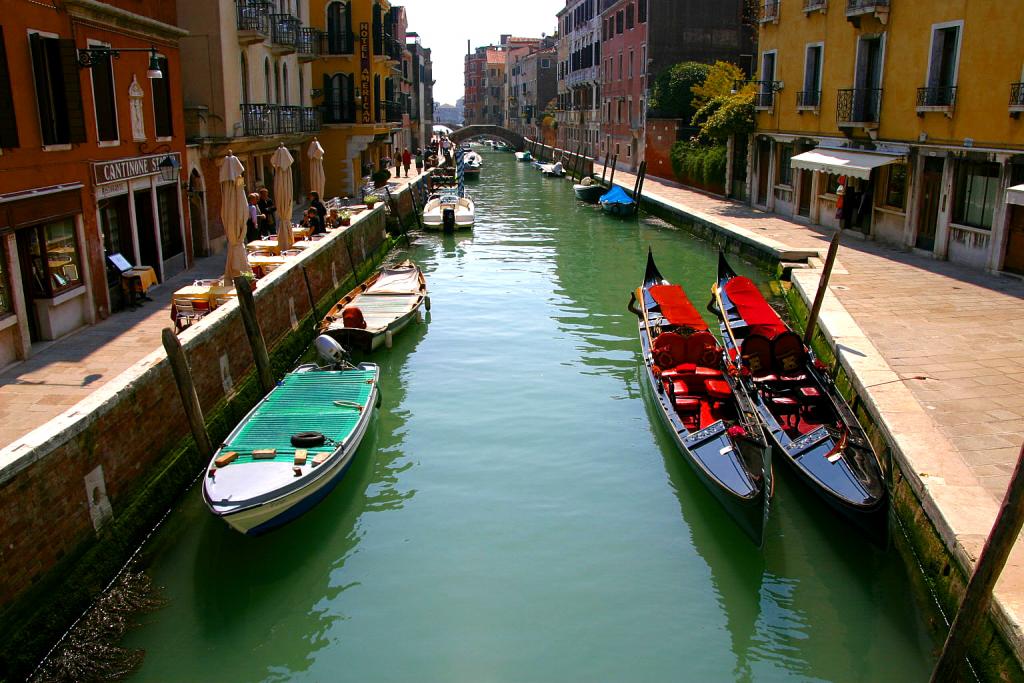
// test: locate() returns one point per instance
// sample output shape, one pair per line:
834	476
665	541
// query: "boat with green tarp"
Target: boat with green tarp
294	446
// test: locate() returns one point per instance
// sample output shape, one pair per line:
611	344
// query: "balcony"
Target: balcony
259	119
340	43
309	42
764	97
815	6
808	100
859	107
394	50
1016	99
284	33
251	18
310	120
855	9
289	120
277	119
769	12
392	111
940	98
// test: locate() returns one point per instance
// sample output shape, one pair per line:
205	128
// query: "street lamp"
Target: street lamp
169	168
90	56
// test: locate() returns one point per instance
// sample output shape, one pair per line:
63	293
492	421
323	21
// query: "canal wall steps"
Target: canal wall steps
78	494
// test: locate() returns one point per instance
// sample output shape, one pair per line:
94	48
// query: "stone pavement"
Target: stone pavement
63	372
960	329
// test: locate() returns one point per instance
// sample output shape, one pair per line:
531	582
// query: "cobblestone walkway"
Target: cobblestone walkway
961	329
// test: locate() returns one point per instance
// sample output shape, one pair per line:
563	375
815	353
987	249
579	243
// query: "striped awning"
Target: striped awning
843	161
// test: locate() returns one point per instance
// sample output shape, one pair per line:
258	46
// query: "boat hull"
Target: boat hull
616	209
367	340
588	193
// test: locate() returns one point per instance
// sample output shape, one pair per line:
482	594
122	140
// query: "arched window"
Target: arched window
277	83
376	97
339	28
339	98
302	87
284	81
245	80
266	79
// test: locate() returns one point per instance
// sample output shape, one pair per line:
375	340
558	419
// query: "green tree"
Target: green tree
721	80
672	94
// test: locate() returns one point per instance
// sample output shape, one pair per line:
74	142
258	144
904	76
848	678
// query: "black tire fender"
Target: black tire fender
308	439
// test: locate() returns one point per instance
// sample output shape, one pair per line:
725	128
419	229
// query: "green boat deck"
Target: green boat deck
304	402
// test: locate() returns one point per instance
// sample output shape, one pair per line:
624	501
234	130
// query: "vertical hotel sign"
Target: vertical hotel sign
364	71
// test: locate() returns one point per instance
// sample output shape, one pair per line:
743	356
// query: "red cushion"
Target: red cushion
757	354
669	349
707	372
786	404
810	392
718	388
688	404
680	370
701	348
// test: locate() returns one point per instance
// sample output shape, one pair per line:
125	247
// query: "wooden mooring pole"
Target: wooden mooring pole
252	330
604	169
312	299
819	296
611	180
978	596
639	187
416	210
187	389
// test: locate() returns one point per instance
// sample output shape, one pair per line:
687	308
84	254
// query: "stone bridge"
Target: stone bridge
480	130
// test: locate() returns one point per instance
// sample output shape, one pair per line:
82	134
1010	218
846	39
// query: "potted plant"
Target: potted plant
251	277
380	178
371	199
345	217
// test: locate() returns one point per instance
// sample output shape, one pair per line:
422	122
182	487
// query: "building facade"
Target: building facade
579	32
422	92
624	78
90	164
912	109
358	76
531	84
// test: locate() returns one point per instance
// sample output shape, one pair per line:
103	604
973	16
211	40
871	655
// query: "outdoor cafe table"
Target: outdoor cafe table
264	245
259	262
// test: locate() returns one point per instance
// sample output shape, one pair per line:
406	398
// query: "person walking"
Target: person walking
267	207
398	163
252	224
419	160
406	161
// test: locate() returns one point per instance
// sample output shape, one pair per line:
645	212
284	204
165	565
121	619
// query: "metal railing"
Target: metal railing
1017	94
391	111
340	43
936	96
394	50
309	42
279	119
252	16
808	99
811	5
259	119
857	6
284	29
289	119
764	97
769	11
858	105
310	121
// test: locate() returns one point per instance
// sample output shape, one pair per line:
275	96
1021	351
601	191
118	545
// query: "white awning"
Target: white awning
1015	195
842	161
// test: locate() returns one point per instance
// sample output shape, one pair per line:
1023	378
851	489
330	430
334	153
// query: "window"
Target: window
895	195
102	75
162	102
378	30
54	257
631	64
620	66
975	194
8	125
284	81
245	80
302	88
168	210
812	76
629	17
6	307
545	64
619	17
641	11
785	174
277	82
942	65
339	29
58	90
266	79
643	60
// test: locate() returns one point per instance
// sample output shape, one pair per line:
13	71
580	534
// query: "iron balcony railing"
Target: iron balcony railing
858	105
811	5
284	29
259	119
1017	94
309	42
338	43
395	50
807	99
311	120
769	11
289	119
392	111
936	96
279	119
861	6
252	16
764	97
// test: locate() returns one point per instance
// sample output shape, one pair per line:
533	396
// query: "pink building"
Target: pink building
624	80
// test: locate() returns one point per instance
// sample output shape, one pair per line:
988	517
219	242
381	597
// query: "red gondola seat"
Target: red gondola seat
669	350
789	357
757	354
718	389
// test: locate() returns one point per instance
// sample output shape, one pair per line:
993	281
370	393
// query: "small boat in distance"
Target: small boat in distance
372	313
707	411
588	190
449	212
295	445
803	412
472	163
554	170
502	147
617	202
524	156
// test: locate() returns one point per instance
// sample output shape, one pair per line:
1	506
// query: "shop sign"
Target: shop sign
364	72
118	170
111	190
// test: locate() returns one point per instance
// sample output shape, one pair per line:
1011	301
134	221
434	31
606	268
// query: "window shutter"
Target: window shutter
8	125
350	89
103	97
162	101
72	91
47	125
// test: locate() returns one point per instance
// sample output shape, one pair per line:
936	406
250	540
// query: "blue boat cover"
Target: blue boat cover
616	195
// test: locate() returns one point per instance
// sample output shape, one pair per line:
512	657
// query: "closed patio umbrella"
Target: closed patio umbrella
282	163
233	212
317	178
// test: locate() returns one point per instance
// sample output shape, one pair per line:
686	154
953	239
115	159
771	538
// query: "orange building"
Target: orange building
91	151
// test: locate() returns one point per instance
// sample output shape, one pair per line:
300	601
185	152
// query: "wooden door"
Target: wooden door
763	162
146	231
1014	261
806	180
928	213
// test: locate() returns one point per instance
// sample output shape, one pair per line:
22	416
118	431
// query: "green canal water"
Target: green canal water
517	511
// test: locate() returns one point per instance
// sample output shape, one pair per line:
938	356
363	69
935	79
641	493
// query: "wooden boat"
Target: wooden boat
372	313
293	447
472	164
589	192
811	426
707	411
617	202
449	212
524	156
553	170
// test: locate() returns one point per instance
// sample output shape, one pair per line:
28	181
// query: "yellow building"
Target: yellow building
356	79
915	103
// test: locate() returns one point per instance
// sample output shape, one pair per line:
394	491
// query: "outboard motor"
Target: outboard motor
331	352
448	220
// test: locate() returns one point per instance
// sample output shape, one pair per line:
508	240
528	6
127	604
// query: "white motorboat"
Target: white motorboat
554	170
449	212
524	156
471	165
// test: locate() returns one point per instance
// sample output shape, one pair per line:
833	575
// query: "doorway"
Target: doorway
146	230
1014	260
928	211
806	180
32	277
763	163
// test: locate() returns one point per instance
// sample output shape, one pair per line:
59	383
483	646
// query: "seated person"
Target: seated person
312	221
333	221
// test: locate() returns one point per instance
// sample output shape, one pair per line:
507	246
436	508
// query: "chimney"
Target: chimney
469	49
505	37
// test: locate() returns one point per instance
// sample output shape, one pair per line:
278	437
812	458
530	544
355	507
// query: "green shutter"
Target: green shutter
47	124
8	125
72	90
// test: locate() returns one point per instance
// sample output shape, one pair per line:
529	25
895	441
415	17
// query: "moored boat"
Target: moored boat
372	313
472	165
588	190
709	415
554	170
295	445
524	156
811	426
617	202
449	212
502	147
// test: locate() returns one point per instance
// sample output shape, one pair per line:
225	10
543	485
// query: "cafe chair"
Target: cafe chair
186	312
206	283
291	252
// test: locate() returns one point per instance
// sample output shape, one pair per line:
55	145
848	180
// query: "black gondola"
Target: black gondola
810	425
711	419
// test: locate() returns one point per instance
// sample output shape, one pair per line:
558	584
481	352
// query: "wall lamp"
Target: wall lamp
90	56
